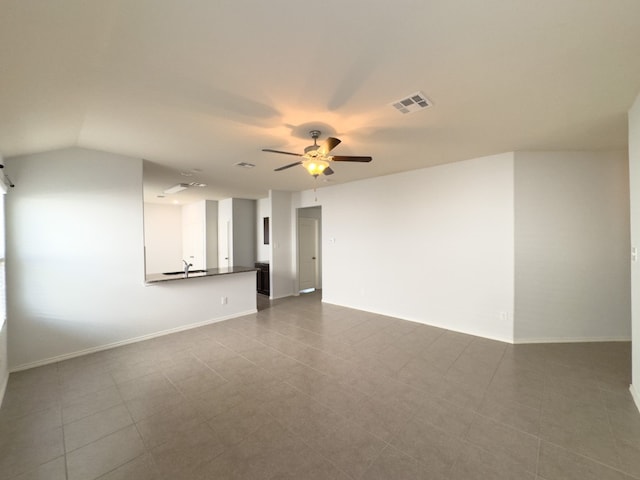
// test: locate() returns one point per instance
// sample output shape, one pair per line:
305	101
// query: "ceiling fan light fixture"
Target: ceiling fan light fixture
315	166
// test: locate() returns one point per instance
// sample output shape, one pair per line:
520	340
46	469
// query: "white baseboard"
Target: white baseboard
571	340
120	343
423	322
636	396
283	296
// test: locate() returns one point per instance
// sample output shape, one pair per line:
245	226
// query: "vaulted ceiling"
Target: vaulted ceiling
202	84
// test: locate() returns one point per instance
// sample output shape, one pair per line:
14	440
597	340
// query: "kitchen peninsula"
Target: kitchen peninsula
211	272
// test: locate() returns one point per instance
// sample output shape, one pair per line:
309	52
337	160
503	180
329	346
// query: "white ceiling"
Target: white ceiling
203	84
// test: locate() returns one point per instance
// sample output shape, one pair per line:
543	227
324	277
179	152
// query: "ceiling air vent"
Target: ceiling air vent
244	165
412	103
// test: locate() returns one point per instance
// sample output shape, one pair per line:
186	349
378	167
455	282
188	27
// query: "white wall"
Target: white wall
263	209
571	246
244	232
432	245
163	237
194	250
75	264
634	180
282	272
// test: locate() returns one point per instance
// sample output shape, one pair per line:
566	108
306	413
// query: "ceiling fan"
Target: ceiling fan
316	157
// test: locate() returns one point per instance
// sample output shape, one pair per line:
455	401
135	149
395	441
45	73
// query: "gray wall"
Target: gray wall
244	232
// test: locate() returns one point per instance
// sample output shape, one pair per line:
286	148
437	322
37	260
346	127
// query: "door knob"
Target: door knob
313	258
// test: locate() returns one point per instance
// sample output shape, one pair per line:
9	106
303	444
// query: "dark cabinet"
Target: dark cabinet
263	278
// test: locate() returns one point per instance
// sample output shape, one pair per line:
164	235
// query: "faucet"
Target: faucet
186	267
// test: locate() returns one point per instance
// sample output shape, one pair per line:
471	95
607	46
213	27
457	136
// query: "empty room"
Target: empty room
341	240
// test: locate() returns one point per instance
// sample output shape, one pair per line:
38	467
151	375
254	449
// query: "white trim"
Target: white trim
572	340
635	395
120	343
284	296
437	325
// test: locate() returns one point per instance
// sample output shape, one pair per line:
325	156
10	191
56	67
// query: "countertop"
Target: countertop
211	272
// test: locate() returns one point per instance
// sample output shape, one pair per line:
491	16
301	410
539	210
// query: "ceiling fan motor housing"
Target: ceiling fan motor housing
312	150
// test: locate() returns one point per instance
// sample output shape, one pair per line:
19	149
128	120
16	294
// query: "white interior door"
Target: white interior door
308	253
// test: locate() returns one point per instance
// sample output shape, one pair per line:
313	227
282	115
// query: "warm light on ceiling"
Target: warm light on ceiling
315	166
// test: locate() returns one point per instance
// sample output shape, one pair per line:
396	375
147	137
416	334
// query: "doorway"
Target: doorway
309	249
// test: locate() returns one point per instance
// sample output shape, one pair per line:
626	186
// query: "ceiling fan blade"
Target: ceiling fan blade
328	145
338	158
287	166
280	151
328	171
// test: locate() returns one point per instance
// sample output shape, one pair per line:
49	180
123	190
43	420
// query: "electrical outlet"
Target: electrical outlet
223	300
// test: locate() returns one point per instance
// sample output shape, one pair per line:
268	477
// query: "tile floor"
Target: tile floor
303	390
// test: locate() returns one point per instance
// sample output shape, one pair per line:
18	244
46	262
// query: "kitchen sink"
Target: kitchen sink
181	272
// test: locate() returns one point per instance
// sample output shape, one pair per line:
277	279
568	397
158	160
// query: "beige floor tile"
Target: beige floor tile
53	470
91	428
350	448
306	390
104	455
199	383
557	463
34	377
629	456
593	439
451	418
186	452
126	373
148	386
26	451
161	427
30	399
378	418
419	373
145	406
510	412
476	463
140	468
431	446
393	464
505	443
81	385
467	394
237	423
29	425
91	403
313	466
184	368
